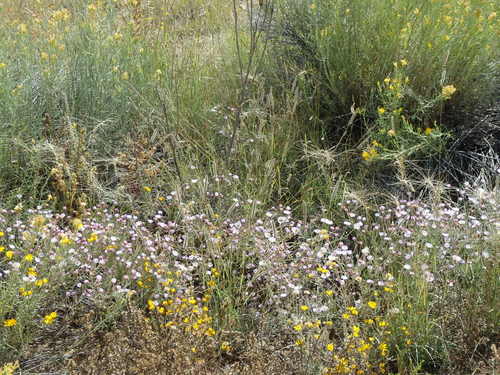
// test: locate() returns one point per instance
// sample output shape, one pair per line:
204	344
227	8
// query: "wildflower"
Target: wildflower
428	131
225	346
355	331
92	237
65	240
297	327
448	91
391	132
41	282
329	292
9	368
9	254
381	110
2	234
31	271
125	76
25	293
304	308
49	318
352	310
370	154
210	332
147	189
2	65
299	342
28	257
383	349
403	62
151	305
372	304
22	28
330	347
9	322
77	224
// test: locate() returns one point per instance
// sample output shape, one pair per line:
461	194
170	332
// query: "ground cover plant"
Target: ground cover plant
302	187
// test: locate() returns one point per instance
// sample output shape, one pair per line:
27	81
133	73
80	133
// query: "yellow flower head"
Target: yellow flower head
49	318
448	90
9	322
372	304
76	223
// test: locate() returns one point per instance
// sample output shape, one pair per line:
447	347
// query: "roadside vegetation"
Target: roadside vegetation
214	187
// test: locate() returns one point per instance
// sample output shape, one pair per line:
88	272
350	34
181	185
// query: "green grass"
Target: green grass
194	153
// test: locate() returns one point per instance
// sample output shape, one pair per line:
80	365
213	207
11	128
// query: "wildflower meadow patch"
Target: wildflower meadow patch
249	187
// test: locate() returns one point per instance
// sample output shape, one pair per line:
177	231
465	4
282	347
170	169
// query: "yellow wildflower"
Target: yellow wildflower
448	90
352	310
9	322
22	28
49	318
65	240
210	332
41	282
76	223
355	331
151	305
372	304
297	327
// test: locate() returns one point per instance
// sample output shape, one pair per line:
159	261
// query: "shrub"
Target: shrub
349	48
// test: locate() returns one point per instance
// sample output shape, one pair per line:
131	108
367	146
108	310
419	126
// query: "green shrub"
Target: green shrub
348	48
